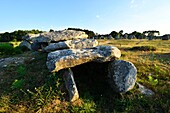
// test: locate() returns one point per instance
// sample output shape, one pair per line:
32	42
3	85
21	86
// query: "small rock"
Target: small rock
145	90
4	66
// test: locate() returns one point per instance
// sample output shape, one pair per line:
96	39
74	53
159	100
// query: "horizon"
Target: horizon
79	28
99	16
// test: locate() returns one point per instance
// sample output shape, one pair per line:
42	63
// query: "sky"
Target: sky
100	16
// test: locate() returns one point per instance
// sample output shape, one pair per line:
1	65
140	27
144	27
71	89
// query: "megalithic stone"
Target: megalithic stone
122	75
70	84
67	58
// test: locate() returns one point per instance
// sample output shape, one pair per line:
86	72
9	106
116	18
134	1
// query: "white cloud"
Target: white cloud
137	3
132	1
97	16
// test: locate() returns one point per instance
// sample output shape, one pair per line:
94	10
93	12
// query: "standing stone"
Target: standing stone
122	75
70	84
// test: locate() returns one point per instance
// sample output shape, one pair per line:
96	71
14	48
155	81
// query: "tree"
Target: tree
16	35
51	30
151	34
138	35
88	32
113	34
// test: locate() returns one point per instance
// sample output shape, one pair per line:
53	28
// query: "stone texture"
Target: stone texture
13	61
55	36
70	84
36	46
144	90
122	75
62	59
30	37
25	44
72	44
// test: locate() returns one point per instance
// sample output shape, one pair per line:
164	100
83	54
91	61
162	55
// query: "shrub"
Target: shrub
8	49
143	48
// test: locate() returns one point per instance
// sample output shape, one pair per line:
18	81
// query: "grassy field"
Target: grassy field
30	87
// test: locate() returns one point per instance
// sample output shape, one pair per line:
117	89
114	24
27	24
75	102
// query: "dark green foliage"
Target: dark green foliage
8	49
113	34
88	32
166	37
143	48
16	35
138	35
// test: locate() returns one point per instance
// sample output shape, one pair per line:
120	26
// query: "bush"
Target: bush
8	49
143	48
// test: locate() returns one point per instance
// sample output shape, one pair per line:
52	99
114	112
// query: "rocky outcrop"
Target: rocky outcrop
72	44
37	40
122	75
67	58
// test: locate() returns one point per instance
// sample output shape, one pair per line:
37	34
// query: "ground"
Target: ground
30	87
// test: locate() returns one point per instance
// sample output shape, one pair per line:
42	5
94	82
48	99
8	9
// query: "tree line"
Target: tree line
16	35
150	35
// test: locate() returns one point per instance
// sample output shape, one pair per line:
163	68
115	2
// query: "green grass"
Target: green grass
32	88
7	49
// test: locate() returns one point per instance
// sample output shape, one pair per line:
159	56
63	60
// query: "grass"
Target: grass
7	49
32	88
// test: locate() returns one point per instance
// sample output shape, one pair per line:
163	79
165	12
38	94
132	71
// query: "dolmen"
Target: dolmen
69	48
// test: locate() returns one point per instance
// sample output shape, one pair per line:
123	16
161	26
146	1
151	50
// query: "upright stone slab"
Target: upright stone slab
122	75
62	59
70	84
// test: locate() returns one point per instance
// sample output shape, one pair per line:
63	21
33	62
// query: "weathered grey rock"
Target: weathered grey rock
72	44
36	46
25	44
13	61
30	37
55	36
62	59
122	75
144	90
70	84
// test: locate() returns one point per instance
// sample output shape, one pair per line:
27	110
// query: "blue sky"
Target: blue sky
101	16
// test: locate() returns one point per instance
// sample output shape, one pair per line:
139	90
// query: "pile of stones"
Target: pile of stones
69	48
